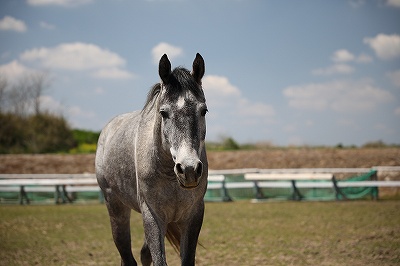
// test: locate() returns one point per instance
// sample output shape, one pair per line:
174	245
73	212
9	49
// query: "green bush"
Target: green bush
12	133
226	144
230	144
85	136
84	148
40	133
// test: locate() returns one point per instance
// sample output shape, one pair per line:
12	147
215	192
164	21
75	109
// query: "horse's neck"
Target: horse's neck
151	135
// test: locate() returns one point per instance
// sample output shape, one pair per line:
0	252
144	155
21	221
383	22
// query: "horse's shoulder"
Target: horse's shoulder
122	120
120	124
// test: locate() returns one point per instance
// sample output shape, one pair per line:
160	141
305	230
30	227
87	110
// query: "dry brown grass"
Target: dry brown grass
269	158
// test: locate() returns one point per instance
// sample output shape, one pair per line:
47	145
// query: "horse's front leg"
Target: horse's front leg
120	227
154	231
190	235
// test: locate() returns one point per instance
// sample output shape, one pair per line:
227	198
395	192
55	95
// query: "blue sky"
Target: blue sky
286	72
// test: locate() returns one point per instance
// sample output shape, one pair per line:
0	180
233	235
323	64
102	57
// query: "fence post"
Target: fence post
338	193
296	195
258	191
224	192
22	195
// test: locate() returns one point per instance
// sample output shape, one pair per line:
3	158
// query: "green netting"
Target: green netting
34	197
223	194
360	192
48	197
318	194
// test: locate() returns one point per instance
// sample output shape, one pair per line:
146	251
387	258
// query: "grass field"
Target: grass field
240	233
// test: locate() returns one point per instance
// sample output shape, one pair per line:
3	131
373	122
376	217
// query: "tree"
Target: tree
230	144
22	97
39	82
24	126
3	86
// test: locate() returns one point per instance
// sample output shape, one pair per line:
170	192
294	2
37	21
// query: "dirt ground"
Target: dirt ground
271	158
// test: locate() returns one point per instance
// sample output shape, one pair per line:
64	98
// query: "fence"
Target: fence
303	183
224	185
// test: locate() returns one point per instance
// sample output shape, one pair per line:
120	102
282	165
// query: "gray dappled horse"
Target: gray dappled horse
154	161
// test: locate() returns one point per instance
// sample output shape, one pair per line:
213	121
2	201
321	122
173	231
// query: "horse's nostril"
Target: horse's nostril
199	169
179	169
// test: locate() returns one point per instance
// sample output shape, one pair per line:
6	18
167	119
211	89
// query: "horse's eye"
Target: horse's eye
164	114
203	112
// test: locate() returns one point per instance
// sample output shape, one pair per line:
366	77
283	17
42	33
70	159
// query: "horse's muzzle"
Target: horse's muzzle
189	174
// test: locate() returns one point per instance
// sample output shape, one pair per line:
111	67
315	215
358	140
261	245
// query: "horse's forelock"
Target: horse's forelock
180	81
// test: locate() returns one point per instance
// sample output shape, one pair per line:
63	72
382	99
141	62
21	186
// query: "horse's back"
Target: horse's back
115	155
119	132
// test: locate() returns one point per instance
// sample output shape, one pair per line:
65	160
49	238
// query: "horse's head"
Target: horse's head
182	109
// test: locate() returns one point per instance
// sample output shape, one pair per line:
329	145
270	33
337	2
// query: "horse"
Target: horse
154	161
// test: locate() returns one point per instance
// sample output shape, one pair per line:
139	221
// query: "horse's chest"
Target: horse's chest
175	211
171	201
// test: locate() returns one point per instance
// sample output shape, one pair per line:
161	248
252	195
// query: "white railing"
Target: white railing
63	184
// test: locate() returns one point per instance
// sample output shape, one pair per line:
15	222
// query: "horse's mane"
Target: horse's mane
179	80
154	91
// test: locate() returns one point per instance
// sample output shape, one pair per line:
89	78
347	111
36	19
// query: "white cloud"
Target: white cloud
14	70
62	3
363	58
339	96
99	91
334	69
395	77
46	26
164	48
385	46
79	56
397	111
220	93
255	109
231	112
394	3
77	111
50	104
113	73
357	3
12	24
342	56
341	59
74	56
360	3
219	86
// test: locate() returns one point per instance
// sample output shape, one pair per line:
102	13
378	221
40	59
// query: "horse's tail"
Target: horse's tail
174	236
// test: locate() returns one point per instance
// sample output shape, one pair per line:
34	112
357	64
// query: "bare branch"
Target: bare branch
23	97
39	83
3	87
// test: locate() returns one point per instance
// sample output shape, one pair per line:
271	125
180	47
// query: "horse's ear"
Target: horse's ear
164	69
198	68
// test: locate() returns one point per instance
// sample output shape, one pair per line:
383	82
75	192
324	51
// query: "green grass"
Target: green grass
240	233
84	148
